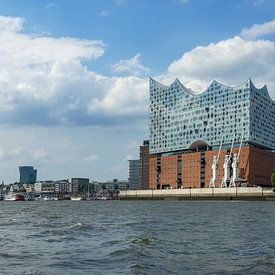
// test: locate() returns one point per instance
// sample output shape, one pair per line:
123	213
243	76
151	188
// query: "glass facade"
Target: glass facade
134	174
27	174
180	117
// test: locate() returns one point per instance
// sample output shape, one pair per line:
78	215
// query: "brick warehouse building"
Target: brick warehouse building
187	129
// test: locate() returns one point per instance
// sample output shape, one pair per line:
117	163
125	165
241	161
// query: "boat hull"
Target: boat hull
14	197
76	198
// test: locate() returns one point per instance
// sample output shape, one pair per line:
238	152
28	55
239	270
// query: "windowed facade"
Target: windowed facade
179	116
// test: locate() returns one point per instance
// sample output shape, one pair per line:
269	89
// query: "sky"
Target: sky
74	74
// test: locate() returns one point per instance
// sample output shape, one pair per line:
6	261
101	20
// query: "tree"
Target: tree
273	181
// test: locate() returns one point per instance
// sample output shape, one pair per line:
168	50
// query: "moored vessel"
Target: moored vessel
76	198
14	197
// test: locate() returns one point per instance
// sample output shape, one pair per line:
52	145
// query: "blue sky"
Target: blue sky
74	74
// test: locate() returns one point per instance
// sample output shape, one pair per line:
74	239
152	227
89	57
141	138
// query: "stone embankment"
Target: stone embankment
232	193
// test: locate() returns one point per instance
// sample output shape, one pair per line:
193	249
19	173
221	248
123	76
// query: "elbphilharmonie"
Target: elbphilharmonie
221	137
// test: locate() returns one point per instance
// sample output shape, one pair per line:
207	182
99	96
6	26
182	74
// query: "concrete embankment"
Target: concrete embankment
232	193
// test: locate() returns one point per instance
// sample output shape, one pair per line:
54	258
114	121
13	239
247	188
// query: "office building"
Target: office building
134	174
189	129
27	174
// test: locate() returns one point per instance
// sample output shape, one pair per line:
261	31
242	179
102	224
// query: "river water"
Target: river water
137	237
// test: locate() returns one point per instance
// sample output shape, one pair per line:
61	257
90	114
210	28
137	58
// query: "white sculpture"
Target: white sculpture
214	171
235	168
226	171
215	167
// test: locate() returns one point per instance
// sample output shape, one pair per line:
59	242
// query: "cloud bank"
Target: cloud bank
258	30
230	61
132	66
44	80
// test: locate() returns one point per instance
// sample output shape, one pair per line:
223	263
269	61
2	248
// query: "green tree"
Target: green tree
273	181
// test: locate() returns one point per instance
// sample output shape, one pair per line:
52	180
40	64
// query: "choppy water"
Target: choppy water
137	237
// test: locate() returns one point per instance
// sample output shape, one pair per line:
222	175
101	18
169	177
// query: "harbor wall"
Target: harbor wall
232	193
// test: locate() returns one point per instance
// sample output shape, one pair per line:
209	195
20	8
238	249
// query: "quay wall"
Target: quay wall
232	193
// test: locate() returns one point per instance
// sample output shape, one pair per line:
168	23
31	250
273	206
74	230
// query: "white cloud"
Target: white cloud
129	157
11	24
120	2
230	61
258	30
13	153
125	96
104	13
132	66
40	154
2	154
51	5
43	80
92	157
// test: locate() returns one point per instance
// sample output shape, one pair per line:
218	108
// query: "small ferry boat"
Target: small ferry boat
14	197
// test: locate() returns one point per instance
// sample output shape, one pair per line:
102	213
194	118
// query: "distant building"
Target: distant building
47	186
27	174
63	187
134	174
79	185
114	185
144	164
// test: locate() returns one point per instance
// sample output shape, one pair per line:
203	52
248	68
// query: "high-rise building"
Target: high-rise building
144	164
134	174
27	174
191	130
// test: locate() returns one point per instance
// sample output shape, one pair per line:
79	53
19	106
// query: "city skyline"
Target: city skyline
74	76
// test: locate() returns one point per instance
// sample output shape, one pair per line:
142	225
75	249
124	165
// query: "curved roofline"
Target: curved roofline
198	93
197	143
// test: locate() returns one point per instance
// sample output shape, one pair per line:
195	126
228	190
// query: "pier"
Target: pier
230	193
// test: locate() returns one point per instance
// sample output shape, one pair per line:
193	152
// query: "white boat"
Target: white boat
48	198
14	197
77	198
103	198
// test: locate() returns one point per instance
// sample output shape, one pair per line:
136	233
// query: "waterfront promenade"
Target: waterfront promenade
233	193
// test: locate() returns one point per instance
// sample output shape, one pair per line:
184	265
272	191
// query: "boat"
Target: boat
76	198
103	198
49	198
14	197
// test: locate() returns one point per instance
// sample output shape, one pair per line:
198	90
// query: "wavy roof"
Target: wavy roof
214	82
